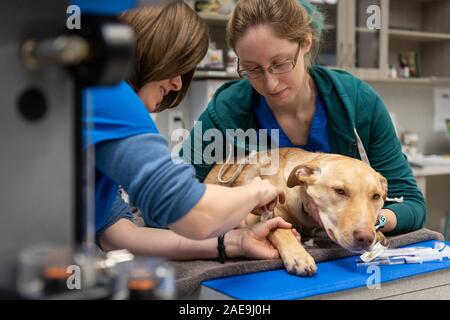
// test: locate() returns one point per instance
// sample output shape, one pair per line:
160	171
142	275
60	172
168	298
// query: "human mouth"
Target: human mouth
278	93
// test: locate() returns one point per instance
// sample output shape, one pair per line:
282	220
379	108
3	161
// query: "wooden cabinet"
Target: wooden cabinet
417	27
421	27
356	47
367	35
417	30
361	35
333	51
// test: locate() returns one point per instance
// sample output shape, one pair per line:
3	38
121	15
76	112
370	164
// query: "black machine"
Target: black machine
44	67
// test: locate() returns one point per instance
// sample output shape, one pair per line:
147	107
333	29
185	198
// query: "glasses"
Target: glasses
274	68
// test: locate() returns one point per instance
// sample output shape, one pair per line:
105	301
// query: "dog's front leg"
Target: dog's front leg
295	258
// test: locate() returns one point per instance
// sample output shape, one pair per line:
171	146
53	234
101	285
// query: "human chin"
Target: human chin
280	97
150	103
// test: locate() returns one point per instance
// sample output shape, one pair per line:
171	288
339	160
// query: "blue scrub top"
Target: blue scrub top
318	135
108	114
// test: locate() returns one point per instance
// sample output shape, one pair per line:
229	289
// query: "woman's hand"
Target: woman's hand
221	209
252	242
268	195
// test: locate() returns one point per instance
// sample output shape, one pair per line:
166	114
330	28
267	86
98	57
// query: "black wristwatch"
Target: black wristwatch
221	248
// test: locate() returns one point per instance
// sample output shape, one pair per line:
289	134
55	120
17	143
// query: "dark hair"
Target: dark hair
171	39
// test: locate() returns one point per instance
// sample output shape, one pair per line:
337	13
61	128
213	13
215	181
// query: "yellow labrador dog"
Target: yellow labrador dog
340	194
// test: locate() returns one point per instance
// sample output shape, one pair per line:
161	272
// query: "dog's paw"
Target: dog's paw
300	264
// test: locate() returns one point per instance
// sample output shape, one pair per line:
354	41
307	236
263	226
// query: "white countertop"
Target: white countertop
431	171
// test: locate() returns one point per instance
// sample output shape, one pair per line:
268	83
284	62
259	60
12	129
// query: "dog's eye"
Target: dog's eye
340	192
376	196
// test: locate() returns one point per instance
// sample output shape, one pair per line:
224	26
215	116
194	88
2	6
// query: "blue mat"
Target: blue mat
331	276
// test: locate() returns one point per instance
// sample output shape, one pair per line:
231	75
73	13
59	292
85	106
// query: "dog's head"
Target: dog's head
346	194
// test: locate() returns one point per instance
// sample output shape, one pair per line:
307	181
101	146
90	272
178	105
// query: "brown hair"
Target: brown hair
171	39
293	20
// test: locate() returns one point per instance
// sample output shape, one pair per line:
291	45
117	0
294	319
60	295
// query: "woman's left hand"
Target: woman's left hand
252	242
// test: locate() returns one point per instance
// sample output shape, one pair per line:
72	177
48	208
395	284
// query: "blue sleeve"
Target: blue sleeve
143	166
114	113
119	210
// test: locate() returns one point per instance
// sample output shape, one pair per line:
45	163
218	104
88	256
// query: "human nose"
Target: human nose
271	80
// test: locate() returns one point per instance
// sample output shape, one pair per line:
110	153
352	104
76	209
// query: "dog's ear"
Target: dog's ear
384	185
302	174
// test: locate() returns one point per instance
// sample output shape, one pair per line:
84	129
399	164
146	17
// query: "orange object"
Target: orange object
56	273
141	284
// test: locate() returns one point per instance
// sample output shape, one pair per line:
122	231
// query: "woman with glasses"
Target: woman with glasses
314	108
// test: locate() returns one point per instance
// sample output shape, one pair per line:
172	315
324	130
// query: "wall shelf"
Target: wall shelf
365	30
423	80
214	18
223	75
213	74
329	27
418	35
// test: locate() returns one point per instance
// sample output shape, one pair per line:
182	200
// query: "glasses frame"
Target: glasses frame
242	72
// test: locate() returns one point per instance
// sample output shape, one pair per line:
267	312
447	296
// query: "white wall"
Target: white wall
413	105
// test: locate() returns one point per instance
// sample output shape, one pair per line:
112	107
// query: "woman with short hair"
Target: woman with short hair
171	40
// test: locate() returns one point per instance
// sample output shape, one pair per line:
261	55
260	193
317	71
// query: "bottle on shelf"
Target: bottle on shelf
392	71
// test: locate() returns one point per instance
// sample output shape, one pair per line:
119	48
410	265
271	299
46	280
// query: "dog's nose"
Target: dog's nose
363	237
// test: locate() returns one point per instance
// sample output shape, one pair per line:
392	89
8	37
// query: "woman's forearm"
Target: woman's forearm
391	220
164	243
220	209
